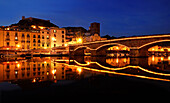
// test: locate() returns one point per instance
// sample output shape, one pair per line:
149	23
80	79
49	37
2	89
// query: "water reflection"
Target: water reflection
53	69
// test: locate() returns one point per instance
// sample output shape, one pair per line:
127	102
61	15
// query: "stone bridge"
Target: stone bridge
138	45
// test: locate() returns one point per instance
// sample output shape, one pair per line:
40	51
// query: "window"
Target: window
54	35
7	66
47	45
34	36
63	41
42	36
23	46
7	43
55	31
38	36
16	34
7	34
42	45
62	36
34	44
34	40
54	45
28	35
47	37
39	41
47	32
16	38
42	32
62	32
23	35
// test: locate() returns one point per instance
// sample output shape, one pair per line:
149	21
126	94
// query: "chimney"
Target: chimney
23	17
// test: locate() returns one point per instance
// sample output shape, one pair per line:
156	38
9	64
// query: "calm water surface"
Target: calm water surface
21	73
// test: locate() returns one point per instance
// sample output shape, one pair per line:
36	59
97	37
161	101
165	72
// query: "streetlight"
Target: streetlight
79	40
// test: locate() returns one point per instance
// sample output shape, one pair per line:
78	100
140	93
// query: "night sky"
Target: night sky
117	17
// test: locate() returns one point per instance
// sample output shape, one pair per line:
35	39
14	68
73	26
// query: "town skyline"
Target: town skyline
117	18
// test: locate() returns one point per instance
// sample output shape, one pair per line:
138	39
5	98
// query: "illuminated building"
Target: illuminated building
35	34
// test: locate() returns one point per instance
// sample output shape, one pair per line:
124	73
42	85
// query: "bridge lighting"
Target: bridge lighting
117	47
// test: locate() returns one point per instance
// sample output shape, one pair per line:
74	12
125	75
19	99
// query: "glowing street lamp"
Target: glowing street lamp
79	40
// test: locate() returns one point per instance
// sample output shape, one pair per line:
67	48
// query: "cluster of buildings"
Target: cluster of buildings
41	36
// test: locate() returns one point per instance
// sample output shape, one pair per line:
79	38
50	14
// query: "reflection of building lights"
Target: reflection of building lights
18	45
55	77
79	70
153	58
54	71
18	65
53	39
7	48
168	57
16	72
125	60
45	62
117	60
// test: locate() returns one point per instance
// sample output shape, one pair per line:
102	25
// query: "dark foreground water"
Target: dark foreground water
39	79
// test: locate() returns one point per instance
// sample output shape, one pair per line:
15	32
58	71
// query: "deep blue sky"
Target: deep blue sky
117	17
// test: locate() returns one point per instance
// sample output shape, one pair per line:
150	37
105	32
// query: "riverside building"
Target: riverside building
32	34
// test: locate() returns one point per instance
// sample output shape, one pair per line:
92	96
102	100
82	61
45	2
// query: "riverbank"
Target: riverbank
95	88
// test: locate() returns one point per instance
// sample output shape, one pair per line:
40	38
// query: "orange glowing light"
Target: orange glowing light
79	40
79	70
18	45
18	65
54	71
34	80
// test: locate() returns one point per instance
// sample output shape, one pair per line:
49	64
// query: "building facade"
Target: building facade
36	38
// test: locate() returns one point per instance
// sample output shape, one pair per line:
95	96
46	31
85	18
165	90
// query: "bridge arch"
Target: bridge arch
153	43
143	50
80	50
101	50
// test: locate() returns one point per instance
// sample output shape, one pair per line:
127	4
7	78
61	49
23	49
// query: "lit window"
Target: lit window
16	38
55	31
47	37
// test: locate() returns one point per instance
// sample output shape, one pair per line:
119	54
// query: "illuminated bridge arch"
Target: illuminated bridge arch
153	43
143	50
102	49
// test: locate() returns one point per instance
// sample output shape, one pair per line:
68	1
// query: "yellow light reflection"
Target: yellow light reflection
79	70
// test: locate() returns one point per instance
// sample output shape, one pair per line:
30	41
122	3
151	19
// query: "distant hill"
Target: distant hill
26	23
